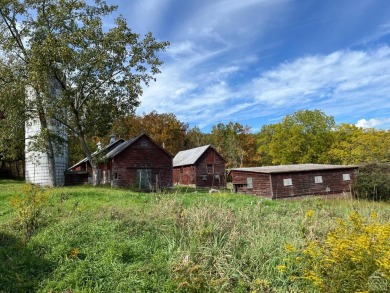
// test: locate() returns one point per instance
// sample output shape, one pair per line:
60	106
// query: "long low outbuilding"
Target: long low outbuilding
293	180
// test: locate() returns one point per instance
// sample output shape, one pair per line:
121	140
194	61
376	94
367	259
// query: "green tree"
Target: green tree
264	139
344	147
235	143
100	72
196	138
303	137
12	116
354	145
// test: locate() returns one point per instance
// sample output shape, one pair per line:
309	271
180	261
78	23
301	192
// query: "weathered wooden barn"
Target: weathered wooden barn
201	167
293	180
139	163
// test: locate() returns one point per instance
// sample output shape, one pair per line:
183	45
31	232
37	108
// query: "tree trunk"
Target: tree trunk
96	174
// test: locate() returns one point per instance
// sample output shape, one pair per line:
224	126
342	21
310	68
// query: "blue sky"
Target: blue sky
255	61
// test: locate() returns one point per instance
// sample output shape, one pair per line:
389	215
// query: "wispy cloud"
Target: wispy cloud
382	31
319	76
254	61
344	83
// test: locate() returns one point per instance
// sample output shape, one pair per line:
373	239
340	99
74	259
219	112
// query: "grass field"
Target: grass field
98	239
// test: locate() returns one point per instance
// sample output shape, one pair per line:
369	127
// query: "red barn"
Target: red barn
139	163
201	167
293	180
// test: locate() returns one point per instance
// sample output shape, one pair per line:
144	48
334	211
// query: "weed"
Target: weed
347	260
29	205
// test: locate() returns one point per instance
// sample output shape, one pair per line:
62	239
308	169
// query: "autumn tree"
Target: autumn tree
164	128
235	143
100	71
303	137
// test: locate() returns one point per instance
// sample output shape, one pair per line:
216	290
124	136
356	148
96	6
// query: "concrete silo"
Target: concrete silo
37	161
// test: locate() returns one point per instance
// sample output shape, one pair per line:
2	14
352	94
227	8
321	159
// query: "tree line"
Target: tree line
306	136
302	137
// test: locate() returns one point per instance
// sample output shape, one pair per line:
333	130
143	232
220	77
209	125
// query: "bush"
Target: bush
29	205
372	182
354	257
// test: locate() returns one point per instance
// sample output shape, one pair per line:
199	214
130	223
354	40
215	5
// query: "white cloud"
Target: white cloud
343	84
349	79
372	123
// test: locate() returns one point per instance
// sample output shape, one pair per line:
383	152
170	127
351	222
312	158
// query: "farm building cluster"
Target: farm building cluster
141	163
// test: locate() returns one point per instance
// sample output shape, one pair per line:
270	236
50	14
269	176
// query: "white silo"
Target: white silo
37	169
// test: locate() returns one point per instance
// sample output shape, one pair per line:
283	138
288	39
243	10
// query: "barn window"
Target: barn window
249	182
204	177
210	169
346	177
287	182
318	179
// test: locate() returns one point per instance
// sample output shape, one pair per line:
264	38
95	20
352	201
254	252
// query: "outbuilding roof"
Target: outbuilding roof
116	148
189	157
294	168
121	147
105	149
116	151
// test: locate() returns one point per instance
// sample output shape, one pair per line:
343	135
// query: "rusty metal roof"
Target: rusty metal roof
294	168
121	147
116	148
112	153
189	157
107	148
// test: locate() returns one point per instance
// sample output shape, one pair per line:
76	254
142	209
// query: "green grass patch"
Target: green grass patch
98	239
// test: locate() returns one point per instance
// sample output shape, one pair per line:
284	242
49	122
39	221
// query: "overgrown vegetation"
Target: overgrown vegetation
29	205
105	240
373	182
353	257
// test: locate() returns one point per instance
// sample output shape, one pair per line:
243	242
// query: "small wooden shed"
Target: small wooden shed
201	167
293	180
140	163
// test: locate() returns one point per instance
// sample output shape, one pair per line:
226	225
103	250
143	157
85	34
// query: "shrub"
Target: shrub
29	205
372	182
354	257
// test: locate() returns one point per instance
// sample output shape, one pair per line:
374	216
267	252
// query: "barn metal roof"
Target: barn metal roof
294	168
120	148
107	148
116	148
189	157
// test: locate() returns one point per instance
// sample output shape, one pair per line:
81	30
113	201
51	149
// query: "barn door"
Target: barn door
144	179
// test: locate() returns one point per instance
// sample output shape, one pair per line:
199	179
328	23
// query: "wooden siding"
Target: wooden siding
76	178
184	175
199	176
303	183
261	183
143	156
215	178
